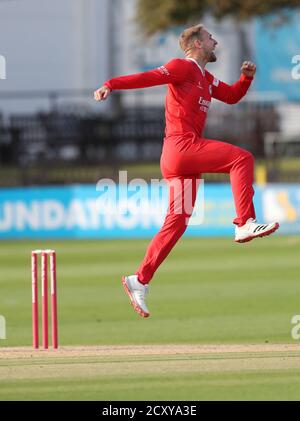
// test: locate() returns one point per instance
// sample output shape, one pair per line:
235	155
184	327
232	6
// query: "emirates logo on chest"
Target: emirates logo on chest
204	104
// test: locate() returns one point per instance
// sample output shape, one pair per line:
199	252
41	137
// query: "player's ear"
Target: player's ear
197	43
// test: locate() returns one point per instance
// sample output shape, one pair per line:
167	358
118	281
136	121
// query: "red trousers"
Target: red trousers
183	160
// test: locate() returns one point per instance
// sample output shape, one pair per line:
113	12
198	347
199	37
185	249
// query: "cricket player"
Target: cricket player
187	154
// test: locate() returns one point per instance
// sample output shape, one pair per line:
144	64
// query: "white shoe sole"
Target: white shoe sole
134	304
262	234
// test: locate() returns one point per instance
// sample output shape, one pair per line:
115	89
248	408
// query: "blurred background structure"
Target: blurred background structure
52	132
56	55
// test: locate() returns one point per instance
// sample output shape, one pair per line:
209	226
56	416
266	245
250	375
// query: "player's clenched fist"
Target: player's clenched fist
102	93
248	68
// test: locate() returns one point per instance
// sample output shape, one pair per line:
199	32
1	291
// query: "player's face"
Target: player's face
209	44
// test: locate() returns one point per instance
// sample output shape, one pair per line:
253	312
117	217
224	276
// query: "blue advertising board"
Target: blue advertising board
281	202
84	212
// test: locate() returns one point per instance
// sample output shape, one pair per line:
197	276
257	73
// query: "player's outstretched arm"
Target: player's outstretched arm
231	94
173	72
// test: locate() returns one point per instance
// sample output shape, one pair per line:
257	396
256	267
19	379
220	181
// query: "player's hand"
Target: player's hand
102	93
248	68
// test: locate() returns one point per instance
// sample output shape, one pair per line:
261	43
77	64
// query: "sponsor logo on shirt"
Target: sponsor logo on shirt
163	70
204	104
199	85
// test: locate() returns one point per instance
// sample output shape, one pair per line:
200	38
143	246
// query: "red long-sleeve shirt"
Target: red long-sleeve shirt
190	90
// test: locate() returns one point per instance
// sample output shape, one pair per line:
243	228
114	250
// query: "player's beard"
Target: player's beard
212	57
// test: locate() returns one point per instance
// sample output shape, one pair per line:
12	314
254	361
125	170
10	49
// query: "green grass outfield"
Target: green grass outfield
209	291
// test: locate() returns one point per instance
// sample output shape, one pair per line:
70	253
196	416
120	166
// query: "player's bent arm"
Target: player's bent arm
231	94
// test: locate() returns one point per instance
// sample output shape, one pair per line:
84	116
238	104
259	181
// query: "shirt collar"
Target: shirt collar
195	61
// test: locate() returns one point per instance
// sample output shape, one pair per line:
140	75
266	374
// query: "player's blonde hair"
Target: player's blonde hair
189	35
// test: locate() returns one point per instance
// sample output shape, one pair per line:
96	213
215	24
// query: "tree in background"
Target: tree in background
156	15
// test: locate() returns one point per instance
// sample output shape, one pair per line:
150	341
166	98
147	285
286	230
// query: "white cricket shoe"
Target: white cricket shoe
253	230
137	293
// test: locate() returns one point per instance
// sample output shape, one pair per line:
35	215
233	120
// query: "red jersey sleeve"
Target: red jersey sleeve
230	94
174	72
